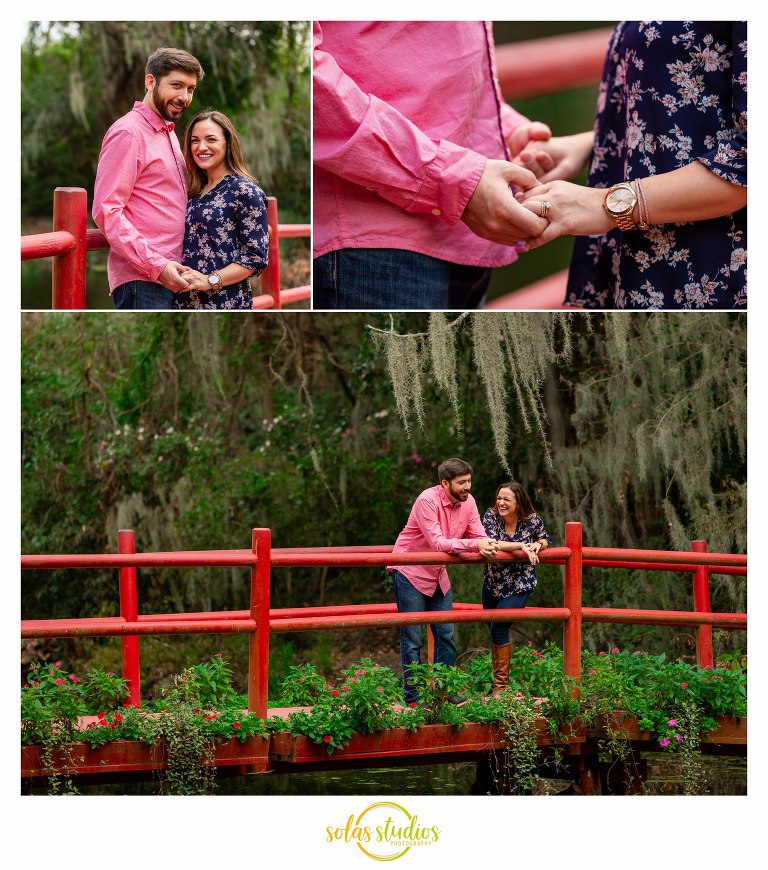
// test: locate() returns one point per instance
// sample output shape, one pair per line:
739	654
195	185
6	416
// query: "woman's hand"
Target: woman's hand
532	552
487	547
196	280
561	157
574	210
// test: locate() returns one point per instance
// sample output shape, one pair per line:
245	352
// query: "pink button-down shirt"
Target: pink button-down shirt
437	523
140	196
405	115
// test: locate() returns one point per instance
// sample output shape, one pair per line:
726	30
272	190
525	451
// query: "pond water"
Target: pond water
725	776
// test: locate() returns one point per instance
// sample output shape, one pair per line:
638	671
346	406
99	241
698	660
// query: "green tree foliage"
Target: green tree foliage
194	430
79	77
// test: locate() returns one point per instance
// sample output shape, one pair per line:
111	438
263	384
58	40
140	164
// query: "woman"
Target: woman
517	527
226	239
671	132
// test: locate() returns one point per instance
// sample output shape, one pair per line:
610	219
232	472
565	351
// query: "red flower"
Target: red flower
101	714
196	710
74	678
683	685
412	704
235	725
209	718
327	738
59	682
335	693
118	717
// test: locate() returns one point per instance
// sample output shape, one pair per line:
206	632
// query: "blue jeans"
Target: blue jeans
500	630
142	295
393	279
410	600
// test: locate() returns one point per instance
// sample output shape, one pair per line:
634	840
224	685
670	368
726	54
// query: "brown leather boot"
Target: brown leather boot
500	657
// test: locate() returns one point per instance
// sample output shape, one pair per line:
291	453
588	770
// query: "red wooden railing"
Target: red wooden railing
259	621
70	242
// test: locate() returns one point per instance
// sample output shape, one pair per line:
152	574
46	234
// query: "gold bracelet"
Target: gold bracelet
642	207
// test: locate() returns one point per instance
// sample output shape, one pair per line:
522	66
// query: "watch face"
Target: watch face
213	279
620	200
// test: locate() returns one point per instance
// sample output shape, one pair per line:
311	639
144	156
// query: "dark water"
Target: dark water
725	776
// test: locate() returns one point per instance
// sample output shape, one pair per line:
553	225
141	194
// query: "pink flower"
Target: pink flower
593	671
301	679
354	679
59	682
665	742
678	738
218	655
74	678
358	672
345	688
379	688
602	653
615	650
683	685
672	723
636	652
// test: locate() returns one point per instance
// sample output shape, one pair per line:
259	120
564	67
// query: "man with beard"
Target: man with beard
140	195
445	519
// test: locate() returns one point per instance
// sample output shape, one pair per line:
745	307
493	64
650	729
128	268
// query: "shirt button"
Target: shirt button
436	212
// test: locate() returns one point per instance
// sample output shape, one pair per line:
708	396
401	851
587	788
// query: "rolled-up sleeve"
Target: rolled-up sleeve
728	157
426	517
252	229
118	170
366	141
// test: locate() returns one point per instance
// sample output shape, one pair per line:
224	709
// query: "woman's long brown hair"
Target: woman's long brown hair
234	158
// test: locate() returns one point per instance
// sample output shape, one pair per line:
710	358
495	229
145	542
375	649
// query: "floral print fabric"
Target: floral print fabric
672	92
512	578
226	225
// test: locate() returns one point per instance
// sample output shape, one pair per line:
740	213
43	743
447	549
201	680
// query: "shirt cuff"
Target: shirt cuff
449	182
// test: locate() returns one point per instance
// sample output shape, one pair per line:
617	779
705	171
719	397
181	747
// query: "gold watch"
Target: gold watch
620	201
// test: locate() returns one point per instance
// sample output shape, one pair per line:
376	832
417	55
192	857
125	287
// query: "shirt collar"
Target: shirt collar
154	119
445	500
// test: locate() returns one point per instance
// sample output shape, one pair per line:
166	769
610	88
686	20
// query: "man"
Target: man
140	196
411	146
443	518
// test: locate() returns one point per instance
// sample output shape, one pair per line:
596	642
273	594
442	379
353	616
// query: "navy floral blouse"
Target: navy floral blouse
512	578
672	92
226	225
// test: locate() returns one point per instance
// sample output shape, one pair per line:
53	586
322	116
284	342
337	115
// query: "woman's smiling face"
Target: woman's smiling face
506	502
208	145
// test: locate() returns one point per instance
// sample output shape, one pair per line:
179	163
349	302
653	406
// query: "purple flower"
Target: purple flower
672	723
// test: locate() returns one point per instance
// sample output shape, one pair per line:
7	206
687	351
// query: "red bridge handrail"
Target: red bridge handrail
70	242
260	620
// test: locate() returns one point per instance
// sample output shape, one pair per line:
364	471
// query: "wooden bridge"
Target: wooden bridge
431	743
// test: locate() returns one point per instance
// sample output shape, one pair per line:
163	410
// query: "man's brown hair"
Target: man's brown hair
164	60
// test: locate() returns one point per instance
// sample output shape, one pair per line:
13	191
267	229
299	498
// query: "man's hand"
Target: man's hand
492	211
197	280
487	547
172	277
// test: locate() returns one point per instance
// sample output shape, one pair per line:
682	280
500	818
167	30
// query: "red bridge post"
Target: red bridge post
258	648
702	604
572	600
129	610
270	277
70	205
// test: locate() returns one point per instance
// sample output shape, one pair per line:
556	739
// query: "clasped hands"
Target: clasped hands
541	165
179	278
488	548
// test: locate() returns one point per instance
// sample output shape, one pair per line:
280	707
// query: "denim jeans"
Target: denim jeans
500	630
410	600
390	278
142	295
